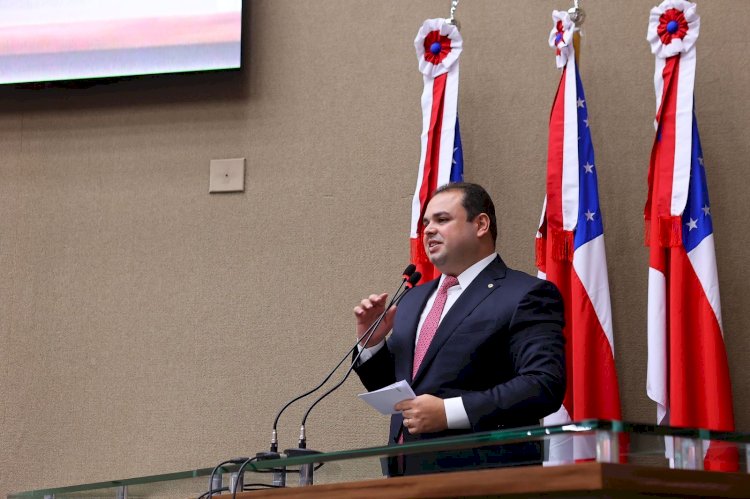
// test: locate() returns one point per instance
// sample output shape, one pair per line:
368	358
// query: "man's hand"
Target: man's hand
367	311
424	414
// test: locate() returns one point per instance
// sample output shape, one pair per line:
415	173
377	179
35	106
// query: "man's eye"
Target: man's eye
439	220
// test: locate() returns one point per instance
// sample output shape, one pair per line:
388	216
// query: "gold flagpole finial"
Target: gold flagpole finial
577	14
452	19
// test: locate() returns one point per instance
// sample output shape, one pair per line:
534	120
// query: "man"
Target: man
482	346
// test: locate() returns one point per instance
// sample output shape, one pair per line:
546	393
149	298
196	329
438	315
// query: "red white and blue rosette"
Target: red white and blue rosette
561	37
672	32
673	28
438	45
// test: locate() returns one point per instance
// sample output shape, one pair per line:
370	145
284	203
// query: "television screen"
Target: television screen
53	40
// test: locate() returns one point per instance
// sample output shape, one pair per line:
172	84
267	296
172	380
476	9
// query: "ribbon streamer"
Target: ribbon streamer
438	45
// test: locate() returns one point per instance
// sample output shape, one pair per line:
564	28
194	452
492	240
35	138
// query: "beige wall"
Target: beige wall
147	326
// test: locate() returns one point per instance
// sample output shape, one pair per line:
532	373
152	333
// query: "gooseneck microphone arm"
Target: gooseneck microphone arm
408	273
413	280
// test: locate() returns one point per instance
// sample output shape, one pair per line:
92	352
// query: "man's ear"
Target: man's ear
483	224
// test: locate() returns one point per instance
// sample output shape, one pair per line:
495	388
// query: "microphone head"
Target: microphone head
409	270
414	279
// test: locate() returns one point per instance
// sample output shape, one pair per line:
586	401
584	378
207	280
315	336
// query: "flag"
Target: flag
570	253
438	44
688	374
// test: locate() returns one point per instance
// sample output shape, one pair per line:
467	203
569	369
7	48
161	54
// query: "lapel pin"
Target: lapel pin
490	285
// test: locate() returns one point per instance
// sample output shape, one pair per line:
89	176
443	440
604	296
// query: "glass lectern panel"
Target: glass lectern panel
599	441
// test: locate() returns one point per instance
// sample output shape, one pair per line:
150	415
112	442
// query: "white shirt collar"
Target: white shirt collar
467	276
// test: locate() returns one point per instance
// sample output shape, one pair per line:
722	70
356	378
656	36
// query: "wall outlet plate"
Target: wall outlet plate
227	175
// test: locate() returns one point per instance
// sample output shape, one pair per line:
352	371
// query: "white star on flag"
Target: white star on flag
590	215
700	160
587	122
589	168
706	211
581	102
692	224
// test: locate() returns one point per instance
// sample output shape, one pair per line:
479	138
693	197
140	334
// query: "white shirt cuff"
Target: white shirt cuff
367	353
455	414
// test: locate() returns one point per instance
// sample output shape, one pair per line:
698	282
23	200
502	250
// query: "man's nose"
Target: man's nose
429	228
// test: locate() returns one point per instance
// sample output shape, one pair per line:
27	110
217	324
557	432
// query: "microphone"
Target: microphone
409	284
279	478
408	271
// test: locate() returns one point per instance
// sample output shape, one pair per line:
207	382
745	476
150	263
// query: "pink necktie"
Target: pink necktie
431	323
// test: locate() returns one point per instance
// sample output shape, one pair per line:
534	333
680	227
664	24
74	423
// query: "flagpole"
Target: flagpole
577	15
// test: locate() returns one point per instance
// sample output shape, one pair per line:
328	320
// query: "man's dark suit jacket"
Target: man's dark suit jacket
500	348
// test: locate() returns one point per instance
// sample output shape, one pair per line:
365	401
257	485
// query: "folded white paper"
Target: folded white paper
384	399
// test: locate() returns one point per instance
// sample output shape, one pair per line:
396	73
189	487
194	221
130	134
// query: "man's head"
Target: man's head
460	227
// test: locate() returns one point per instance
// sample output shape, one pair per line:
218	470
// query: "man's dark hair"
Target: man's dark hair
475	201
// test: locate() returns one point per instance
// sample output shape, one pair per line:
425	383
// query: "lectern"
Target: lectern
626	460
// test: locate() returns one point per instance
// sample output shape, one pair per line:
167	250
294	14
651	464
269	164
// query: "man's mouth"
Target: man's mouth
432	244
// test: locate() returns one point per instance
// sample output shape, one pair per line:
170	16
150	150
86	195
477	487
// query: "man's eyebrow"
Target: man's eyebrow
438	214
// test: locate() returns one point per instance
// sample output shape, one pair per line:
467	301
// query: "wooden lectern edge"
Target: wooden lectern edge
591	479
685	483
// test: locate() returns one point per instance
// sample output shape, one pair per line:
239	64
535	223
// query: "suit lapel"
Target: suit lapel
488	281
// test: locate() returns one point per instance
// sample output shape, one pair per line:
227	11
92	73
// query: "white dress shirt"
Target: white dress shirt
455	412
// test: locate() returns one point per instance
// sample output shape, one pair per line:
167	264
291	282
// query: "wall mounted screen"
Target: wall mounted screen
53	40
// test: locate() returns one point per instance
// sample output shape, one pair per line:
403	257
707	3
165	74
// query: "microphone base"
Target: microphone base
279	474
305	470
